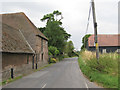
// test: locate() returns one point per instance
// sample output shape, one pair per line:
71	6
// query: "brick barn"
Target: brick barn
107	43
23	46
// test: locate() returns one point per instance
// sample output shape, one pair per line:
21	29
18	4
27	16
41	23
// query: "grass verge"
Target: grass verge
10	80
43	67
105	73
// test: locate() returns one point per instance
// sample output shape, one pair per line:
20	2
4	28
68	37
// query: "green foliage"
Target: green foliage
61	57
53	51
105	73
69	49
51	16
56	35
105	65
10	80
42	29
48	17
57	13
84	40
76	53
53	60
54	31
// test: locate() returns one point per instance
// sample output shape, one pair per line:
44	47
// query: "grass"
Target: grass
43	67
105	73
19	77
10	80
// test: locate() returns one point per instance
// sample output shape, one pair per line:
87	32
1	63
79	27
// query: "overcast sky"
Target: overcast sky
75	13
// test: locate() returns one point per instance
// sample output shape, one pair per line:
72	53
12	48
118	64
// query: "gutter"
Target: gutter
42	37
15	52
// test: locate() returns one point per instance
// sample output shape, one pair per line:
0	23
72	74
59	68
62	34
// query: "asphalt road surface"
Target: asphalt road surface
64	74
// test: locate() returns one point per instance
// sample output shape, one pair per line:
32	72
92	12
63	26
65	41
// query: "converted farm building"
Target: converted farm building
23	46
107	43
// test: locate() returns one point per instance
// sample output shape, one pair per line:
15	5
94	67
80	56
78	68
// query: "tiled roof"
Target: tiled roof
105	40
22	22
13	41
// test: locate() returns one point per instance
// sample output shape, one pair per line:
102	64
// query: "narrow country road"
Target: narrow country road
65	74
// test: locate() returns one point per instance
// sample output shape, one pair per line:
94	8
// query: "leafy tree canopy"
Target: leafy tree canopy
54	31
51	16
84	40
53	51
69	49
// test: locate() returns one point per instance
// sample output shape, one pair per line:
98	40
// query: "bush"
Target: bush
53	60
53	51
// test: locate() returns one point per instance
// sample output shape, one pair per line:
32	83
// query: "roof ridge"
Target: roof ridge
105	40
30	22
34	26
13	13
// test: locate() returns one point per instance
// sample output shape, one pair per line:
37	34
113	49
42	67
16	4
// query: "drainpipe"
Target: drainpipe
36	60
33	62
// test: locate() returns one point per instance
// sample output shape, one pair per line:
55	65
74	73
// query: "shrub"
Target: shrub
53	51
53	60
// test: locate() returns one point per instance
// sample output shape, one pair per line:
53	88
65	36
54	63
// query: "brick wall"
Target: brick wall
45	51
20	63
42	49
10	59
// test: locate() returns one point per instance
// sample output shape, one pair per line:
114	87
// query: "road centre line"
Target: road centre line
86	86
44	86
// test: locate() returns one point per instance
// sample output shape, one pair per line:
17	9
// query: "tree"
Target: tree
54	31
51	16
53	51
85	40
69	49
42	29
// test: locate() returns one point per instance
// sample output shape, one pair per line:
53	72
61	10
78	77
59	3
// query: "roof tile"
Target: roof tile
12	40
105	40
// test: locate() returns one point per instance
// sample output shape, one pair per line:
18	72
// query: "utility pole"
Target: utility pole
95	30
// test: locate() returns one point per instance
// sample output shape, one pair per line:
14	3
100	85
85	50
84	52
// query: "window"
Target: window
104	50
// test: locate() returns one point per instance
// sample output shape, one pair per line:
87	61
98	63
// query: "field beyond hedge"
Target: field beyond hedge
105	73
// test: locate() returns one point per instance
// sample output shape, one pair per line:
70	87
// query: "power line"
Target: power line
88	18
88	22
